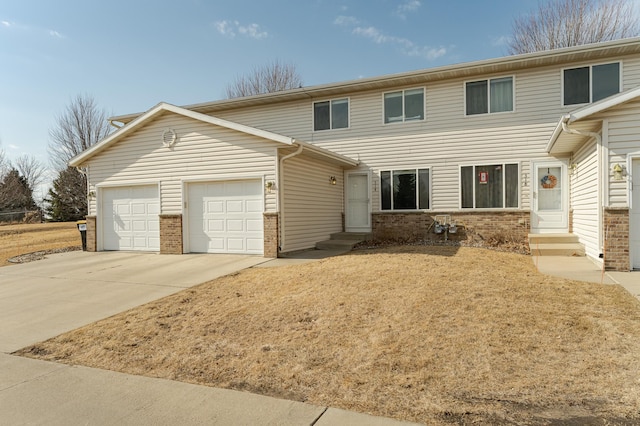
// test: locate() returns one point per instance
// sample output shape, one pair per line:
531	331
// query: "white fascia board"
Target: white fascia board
604	104
556	133
343	160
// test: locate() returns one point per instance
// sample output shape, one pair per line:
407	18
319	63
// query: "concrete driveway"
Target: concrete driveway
43	299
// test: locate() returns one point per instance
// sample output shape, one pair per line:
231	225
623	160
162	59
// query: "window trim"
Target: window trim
416	169
404	120
590	66
330	100
504	183
488	80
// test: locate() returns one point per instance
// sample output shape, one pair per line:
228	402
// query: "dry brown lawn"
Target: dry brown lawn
20	239
436	335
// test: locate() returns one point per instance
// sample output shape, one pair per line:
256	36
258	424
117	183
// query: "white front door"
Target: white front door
634	216
358	208
550	212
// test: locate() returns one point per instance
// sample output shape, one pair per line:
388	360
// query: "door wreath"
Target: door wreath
549	181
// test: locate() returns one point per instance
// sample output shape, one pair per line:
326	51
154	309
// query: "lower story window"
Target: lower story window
489	186
404	189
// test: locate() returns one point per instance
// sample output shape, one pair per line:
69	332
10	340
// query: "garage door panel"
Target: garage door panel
227	214
254	206
215	225
214	207
235	225
130	218
254	225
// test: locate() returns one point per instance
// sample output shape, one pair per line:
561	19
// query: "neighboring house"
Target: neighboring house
547	142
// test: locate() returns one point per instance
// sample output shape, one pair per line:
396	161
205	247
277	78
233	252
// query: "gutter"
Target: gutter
281	189
112	123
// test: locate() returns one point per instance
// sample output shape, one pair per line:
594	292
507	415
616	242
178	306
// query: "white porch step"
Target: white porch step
555	245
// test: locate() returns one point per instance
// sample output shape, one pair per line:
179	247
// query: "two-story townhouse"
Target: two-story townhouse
545	142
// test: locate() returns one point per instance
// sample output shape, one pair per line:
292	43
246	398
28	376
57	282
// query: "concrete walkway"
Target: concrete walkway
43	299
581	268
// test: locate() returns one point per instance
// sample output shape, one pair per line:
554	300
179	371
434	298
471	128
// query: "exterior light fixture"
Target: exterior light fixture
332	180
617	172
269	186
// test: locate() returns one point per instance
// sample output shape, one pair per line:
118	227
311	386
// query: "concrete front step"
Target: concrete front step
557	249
552	239
359	236
336	244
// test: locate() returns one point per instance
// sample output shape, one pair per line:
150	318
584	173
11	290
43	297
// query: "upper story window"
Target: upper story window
404	105
404	189
491	186
332	114
590	84
489	96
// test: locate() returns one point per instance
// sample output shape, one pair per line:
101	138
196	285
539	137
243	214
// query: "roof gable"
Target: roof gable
163	107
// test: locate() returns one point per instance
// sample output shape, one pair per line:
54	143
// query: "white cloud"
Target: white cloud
14	147
500	41
408	6
252	31
406	46
55	34
5	23
232	28
346	21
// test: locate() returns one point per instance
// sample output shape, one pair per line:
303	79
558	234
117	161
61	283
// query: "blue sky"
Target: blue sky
130	55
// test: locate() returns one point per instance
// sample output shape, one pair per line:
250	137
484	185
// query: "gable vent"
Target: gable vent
169	138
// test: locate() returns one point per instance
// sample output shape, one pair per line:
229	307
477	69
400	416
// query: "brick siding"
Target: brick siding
171	234
270	234
92	242
616	228
407	226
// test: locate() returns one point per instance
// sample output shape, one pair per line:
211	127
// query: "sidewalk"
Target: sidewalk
581	268
45	393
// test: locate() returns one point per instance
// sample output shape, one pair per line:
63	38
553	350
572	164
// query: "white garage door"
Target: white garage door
130	218
225	217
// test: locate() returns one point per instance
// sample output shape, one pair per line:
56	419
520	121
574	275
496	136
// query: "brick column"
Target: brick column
171	234
616	228
270	234
91	234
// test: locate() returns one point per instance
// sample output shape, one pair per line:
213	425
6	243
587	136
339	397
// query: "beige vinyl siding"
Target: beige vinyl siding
623	123
312	206
584	199
202	152
445	140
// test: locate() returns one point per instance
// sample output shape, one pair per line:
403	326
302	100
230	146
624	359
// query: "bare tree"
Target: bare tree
273	77
566	23
31	169
81	126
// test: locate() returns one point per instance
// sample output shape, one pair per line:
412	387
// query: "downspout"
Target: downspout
281	191
599	147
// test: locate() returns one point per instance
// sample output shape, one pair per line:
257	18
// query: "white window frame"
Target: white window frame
488	80
590	66
416	169
504	184
313	114
404	118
